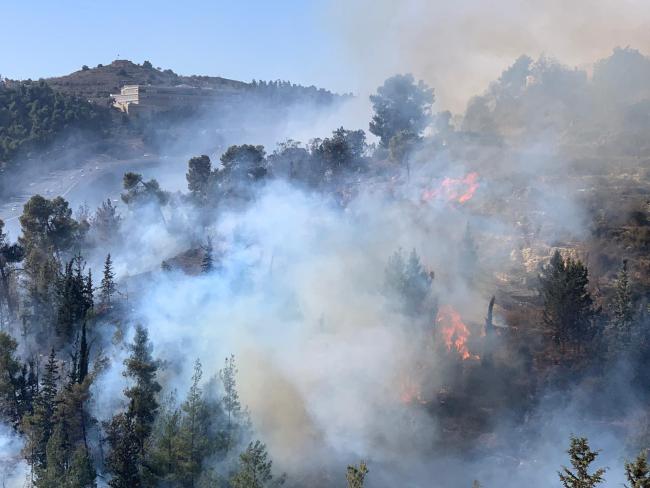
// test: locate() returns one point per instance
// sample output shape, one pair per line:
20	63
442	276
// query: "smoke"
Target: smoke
14	472
460	47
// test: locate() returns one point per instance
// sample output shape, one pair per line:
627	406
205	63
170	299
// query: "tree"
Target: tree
143	406
207	263
73	297
39	424
408	281
356	475
342	151
108	283
123	460
400	147
622	311
254	469
10	254
194	434
568	306
581	457
147	65
230	400
400	105
199	178
81	473
137	191
245	162
638	472
12	404
106	221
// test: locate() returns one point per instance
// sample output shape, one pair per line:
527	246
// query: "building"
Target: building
149	99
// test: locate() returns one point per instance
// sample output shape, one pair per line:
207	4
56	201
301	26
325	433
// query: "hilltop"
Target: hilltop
96	84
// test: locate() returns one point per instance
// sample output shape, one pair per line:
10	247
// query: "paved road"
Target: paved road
90	182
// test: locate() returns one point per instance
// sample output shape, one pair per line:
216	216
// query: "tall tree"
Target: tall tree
231	404
12	404
123	460
106	221
207	263
194	435
143	405
108	286
581	457
622	311
10	254
255	469
400	105
568	306
39	424
199	178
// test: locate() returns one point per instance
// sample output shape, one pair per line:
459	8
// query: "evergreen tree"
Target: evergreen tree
142	368
409	281
638	472
356	475
12	404
74	297
165	454
81	473
255	469
230	401
207	264
568	306
194	435
581	457
123	460
38	425
108	283
199	178
622	311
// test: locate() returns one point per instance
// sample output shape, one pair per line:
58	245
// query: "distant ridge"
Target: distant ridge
96	84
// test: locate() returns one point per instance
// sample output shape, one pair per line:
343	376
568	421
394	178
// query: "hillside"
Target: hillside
96	84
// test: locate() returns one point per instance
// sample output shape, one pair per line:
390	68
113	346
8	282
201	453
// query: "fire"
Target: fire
454	332
410	392
458	190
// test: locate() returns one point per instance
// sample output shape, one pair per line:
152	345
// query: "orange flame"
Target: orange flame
454	332
458	190
411	393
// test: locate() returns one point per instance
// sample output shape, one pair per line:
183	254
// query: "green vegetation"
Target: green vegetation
32	114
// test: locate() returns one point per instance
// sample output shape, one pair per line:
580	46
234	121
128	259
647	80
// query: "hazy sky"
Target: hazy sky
346	45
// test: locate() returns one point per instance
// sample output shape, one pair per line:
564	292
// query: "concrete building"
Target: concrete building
148	99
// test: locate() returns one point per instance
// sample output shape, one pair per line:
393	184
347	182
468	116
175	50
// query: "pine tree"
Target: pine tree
142	368
622	311
165	455
568	306
581	457
38	425
108	283
194	436
230	400
356	475
123	460
638	472
81	473
11	405
254	469
207	264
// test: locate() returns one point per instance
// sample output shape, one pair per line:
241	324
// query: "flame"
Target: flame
454	332
410	392
458	190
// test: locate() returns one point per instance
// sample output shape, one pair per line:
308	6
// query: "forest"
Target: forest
437	299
